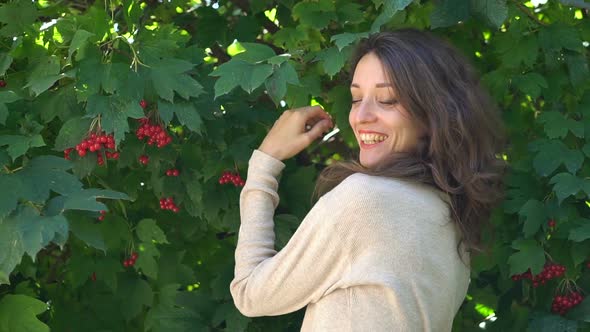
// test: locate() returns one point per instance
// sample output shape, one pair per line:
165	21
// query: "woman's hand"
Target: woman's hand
288	136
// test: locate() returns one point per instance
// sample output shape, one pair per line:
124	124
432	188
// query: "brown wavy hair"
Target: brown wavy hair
461	152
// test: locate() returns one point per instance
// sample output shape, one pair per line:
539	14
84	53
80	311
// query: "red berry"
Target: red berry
551	223
175	209
126	263
134	255
100	218
143	104
93	276
2	83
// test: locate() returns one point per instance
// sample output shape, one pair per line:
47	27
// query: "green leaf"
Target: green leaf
147	230
234	320
276	85
86	199
530	83
285	226
513	54
556	124
19	145
72	132
493	11
11	248
45	173
542	322
186	113
529	255
173	319
38	231
255	53
581	312
169	76
559	35
577	65
148	265
581	233
316	14
135	293
579	252
18	313
18	17
107	269
332	59
535	215
552	153
80	38
87	231
238	72
5	62
114	112
350	13
344	39
565	185
449	12
390	8
44	75
8	198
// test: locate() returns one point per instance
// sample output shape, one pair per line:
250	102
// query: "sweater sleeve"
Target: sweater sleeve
270	283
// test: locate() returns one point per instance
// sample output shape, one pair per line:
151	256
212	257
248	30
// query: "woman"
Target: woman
387	245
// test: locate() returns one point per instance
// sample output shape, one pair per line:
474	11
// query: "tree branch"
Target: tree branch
529	13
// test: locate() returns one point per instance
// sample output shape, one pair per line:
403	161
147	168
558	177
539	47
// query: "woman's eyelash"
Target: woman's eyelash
387	102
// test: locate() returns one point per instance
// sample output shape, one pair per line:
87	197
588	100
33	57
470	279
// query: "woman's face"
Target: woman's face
380	123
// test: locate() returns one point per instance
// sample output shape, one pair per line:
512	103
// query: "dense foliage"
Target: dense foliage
126	127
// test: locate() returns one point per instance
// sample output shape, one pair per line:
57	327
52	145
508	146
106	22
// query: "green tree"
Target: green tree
118	119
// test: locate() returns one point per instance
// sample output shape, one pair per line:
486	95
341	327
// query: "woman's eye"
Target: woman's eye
356	101
389	102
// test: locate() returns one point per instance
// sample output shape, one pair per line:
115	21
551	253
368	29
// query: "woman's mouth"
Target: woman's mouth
368	141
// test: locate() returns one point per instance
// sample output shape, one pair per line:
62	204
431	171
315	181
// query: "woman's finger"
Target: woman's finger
318	129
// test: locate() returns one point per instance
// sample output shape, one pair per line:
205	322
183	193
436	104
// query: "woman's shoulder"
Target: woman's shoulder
378	187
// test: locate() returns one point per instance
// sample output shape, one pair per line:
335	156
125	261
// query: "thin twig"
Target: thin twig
529	13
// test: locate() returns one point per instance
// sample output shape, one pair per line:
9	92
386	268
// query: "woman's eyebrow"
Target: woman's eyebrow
378	85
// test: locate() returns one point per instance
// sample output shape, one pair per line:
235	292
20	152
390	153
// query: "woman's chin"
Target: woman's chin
368	162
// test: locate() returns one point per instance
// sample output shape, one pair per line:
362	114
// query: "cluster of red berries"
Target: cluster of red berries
168	204
131	260
549	272
227	177
2	83
172	172
563	303
551	223
156	134
102	213
144	159
95	143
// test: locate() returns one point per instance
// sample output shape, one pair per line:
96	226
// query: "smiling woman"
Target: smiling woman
381	250
381	124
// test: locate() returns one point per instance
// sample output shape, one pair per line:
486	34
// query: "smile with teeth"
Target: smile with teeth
372	138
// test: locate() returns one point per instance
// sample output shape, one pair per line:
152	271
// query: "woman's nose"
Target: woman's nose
365	111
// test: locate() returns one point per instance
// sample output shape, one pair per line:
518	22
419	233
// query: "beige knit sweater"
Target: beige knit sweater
373	254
